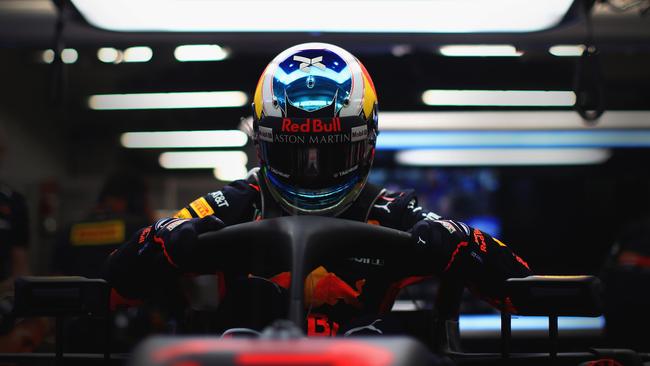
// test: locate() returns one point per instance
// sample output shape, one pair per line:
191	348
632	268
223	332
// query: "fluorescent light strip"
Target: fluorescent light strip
501	157
510	120
201	159
392	140
492	323
138	54
510	98
567	50
229	172
215	99
484	50
183	139
200	52
406	16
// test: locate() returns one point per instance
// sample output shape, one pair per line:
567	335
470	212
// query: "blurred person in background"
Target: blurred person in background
16	335
121	208
625	276
315	128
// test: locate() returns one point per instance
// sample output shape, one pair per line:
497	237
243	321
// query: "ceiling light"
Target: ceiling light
138	54
228	172
200	52
510	120
109	55
201	159
183	139
496	50
501	157
515	98
398	140
406	16
69	55
567	50
214	99
47	56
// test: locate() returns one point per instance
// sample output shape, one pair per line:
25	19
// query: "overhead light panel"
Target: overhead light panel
47	56
109	55
213	99
509	120
138	54
228	171
398	140
501	157
484	50
486	325
201	159
200	52
407	16
567	50
183	139
68	56
500	98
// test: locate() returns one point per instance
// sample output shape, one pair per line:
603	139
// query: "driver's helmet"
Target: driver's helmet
315	128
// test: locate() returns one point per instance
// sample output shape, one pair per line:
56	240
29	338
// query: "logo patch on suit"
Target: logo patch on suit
202	207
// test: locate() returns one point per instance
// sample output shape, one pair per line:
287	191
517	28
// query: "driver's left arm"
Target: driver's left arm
453	248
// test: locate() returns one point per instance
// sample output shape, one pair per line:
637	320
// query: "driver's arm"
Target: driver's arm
452	248
150	263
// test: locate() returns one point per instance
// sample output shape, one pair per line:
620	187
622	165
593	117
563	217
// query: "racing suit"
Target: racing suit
339	292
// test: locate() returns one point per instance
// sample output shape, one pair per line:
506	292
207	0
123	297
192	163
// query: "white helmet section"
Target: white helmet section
270	107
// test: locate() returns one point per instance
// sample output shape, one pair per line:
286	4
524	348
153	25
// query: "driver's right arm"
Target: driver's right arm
152	260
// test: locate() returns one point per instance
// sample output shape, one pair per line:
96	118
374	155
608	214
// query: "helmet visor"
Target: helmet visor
314	159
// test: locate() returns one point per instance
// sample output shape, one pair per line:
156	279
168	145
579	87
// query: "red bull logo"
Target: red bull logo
311	125
323	287
319	325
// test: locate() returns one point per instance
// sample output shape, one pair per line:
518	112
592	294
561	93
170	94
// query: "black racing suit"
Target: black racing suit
338	293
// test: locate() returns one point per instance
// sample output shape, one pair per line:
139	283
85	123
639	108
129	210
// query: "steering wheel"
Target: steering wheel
302	243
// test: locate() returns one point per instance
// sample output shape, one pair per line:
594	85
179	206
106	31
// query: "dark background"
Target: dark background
561	219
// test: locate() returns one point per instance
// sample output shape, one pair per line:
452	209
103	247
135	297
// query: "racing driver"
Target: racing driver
315	129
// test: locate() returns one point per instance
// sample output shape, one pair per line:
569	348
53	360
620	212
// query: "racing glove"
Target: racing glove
156	255
455	249
176	239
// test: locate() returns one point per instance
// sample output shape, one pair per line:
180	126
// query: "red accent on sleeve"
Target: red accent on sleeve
118	300
453	255
143	235
394	289
523	262
161	242
633	259
256	187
